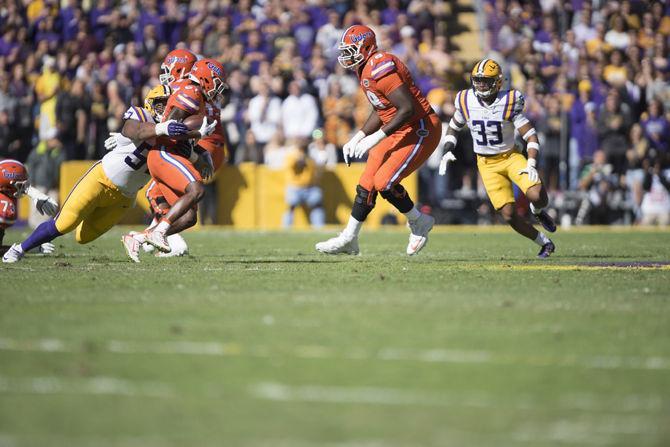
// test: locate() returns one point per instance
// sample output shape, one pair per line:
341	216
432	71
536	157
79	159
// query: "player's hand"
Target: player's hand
47	206
348	148
368	143
533	176
206	129
171	128
110	142
21	187
205	165
446	159
47	248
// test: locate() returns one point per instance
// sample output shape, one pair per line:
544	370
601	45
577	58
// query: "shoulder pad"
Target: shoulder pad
461	103
514	104
381	64
137	114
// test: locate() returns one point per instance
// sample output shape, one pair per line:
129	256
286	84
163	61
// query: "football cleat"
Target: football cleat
546	250
178	247
13	255
419	230
341	243
132	247
157	239
547	222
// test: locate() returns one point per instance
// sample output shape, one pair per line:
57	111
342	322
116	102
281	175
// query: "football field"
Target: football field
255	340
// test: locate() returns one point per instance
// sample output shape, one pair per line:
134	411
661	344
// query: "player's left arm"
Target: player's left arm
529	135
43	203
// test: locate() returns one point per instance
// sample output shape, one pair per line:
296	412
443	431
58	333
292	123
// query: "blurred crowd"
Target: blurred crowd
595	76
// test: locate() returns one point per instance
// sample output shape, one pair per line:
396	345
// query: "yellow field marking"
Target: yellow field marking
566	267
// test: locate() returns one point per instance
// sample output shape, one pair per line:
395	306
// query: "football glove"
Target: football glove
110	142
43	203
348	148
368	143
446	159
533	176
206	129
47	248
171	128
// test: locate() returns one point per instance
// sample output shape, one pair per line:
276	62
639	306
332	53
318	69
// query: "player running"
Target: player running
108	189
400	134
180	179
14	183
493	116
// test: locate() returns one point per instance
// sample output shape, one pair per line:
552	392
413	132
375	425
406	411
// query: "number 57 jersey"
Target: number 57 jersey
491	125
126	165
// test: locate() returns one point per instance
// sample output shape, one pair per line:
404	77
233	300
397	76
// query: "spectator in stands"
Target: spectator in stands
71	116
43	164
635	156
323	153
299	113
264	115
599	183
656	202
613	122
657	128
302	187
550	129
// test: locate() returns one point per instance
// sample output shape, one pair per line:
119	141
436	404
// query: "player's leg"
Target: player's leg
314	201
494	174
81	201
534	191
179	175
102	219
408	154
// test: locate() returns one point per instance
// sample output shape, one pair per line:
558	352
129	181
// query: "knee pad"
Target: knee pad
365	197
394	192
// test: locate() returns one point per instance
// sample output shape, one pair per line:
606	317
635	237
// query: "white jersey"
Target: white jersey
492	125
126	165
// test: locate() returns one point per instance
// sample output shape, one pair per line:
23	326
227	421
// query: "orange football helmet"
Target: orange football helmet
13	177
211	76
177	65
357	44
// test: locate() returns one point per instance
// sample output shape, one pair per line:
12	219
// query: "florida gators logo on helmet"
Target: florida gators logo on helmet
176	65
486	78
211	76
357	44
13	177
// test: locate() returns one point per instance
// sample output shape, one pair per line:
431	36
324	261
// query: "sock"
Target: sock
541	239
412	214
535	210
162	226
353	227
177	243
45	232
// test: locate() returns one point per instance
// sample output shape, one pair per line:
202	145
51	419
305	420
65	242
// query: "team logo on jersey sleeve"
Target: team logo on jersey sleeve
366	83
422	132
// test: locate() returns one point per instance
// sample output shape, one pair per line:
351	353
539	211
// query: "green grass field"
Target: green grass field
256	340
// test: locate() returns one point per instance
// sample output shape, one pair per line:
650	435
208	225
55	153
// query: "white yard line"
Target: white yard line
445	356
83	385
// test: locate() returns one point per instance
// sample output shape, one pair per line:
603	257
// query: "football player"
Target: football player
399	135
493	115
14	183
108	189
176	69
180	179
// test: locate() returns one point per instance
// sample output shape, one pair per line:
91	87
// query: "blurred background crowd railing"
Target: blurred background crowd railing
594	73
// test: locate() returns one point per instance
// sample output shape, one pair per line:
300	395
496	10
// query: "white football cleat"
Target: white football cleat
419	230
341	243
132	247
13	255
178	247
157	239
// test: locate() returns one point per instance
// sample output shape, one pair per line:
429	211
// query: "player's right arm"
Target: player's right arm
137	126
456	123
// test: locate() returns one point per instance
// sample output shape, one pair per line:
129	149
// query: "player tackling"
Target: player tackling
399	135
493	116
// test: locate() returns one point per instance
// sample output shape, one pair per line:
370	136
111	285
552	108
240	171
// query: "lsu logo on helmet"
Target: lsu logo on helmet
486	78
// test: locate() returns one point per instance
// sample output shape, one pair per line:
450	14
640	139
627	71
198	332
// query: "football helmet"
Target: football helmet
357	44
176	65
486	78
210	75
156	100
13	178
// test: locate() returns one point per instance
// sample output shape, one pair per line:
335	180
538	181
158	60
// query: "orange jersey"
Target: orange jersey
179	84
383	73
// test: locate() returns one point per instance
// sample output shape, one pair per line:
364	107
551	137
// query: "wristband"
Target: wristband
528	134
533	145
451	139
